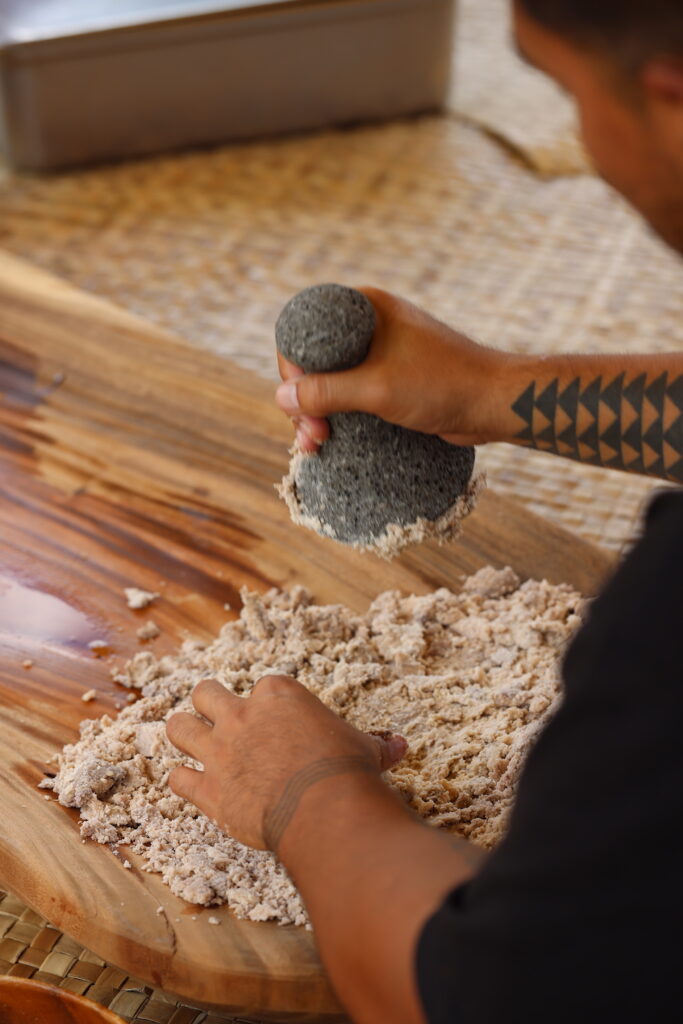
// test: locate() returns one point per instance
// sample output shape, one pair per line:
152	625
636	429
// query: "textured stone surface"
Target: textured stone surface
326	327
370	474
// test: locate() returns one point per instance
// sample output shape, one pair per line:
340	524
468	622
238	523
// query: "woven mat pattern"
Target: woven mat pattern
32	948
495	89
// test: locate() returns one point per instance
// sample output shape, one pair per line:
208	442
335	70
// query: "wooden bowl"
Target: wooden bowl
31	1002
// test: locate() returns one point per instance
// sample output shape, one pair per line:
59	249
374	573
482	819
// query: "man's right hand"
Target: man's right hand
418	374
423	375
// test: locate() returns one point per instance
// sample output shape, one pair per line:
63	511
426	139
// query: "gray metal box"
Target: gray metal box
88	80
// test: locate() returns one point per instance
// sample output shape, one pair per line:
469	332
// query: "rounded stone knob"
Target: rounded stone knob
326	328
372	481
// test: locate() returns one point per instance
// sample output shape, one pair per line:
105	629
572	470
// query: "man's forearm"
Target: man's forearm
622	412
370	875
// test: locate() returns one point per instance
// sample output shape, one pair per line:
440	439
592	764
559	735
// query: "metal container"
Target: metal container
89	80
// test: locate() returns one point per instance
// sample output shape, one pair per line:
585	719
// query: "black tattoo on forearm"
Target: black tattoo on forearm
633	423
276	821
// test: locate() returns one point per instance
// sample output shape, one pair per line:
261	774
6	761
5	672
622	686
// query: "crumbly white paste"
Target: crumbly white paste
137	598
150	631
468	679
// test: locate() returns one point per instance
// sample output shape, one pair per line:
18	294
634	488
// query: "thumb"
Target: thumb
320	394
391	747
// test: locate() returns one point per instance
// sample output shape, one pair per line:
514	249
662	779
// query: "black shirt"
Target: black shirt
578	914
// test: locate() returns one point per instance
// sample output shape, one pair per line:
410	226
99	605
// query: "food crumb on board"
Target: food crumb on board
27	663
137	598
47	797
127	865
150	631
98	645
88	695
214	920
160	910
468	678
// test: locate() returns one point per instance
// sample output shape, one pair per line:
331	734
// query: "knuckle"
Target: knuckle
178	726
199	692
203	689
172	726
326	394
313	394
274	684
176	780
208	683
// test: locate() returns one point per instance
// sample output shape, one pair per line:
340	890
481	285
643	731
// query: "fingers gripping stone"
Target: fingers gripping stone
373	485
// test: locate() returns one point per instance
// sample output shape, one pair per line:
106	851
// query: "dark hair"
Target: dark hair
628	31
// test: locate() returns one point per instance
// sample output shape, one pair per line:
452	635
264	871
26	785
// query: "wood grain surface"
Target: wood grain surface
130	459
31	1002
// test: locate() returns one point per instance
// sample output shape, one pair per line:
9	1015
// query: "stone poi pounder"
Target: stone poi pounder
372	485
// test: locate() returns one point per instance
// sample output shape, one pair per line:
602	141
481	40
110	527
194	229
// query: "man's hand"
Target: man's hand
261	753
423	375
369	871
419	374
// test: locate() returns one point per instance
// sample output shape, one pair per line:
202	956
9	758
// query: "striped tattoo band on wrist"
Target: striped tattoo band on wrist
276	821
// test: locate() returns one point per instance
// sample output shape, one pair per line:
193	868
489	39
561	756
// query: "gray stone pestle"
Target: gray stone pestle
371	482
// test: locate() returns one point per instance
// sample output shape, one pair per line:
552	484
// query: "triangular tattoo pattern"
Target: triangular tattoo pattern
611	420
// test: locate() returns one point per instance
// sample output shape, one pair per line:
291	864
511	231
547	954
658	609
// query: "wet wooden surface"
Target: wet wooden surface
130	459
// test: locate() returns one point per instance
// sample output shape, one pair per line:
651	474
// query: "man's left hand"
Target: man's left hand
260	753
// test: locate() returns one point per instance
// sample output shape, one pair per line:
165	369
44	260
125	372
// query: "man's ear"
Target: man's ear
662	81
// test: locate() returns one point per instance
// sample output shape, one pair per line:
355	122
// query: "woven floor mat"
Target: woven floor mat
32	948
212	244
495	89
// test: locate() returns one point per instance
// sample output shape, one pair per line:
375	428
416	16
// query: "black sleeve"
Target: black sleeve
578	914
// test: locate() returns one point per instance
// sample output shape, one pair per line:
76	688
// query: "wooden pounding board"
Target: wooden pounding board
128	458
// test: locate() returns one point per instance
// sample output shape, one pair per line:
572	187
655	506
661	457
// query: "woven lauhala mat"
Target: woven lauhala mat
32	948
